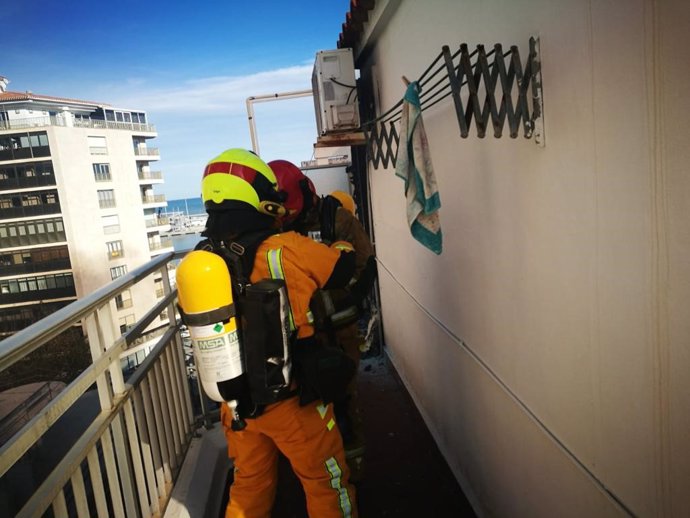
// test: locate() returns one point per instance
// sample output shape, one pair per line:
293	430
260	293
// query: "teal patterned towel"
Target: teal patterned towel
414	166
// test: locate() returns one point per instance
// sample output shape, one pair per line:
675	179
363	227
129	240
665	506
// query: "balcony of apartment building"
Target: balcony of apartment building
66	119
49	286
44	231
34	260
29	204
146	153
24	145
159	223
164	244
146	442
153	200
27	175
150	177
134	127
31	122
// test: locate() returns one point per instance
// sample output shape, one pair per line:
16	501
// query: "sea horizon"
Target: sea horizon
189	206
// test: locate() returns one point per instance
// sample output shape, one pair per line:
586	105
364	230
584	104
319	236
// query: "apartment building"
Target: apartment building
77	205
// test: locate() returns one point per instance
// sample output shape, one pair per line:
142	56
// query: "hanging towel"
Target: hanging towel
414	166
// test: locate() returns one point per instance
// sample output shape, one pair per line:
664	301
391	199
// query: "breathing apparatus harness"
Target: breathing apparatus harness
333	313
272	354
265	336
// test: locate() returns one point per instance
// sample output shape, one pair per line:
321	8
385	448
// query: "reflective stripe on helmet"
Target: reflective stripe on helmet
246	173
238	175
246	158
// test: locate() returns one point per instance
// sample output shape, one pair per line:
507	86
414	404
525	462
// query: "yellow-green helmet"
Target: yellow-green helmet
238	175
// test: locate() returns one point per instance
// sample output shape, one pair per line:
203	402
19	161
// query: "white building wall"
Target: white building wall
547	346
329	179
77	189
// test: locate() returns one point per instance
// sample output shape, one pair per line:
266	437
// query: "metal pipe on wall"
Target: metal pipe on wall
265	98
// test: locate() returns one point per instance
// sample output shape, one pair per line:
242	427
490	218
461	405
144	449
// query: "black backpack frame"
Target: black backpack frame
265	337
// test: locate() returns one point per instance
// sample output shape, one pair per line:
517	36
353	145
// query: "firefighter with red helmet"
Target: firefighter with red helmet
330	220
240	194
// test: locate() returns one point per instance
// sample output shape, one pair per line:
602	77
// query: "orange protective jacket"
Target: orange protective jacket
307	435
307	266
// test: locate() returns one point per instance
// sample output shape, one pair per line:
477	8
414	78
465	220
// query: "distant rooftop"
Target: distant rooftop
29	96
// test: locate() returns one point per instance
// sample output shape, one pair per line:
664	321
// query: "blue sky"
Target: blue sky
190	65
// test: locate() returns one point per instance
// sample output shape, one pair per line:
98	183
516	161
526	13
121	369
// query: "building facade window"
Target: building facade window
101	172
123	300
115	249
118	271
111	224
106	198
135	117
126	322
98	145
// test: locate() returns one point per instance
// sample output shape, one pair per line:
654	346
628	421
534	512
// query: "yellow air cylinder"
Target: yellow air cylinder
205	297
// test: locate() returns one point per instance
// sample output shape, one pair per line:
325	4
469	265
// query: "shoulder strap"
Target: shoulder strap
239	255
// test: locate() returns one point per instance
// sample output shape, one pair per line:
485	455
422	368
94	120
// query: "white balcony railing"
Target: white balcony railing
59	120
156	198
150	175
127	459
159	245
146	151
157	222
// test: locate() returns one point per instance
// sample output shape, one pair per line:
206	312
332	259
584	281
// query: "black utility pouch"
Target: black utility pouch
267	340
323	372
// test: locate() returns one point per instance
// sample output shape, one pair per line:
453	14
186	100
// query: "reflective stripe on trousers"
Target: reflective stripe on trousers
312	443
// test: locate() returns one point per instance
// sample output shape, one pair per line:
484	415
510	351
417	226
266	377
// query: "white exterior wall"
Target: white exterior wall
329	179
25	113
77	189
548	346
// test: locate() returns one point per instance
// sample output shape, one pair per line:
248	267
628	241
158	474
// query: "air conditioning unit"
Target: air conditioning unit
335	92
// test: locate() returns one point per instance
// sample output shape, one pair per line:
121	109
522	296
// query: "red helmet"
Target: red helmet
300	191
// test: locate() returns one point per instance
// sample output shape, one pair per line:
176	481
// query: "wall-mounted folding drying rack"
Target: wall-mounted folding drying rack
488	93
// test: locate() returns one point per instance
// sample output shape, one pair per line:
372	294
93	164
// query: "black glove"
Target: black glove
361	288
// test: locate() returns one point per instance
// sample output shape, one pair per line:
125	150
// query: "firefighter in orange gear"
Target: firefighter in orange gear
331	219
347	202
240	195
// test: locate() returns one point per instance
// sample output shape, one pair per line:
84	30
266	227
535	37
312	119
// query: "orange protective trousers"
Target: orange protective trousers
309	438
